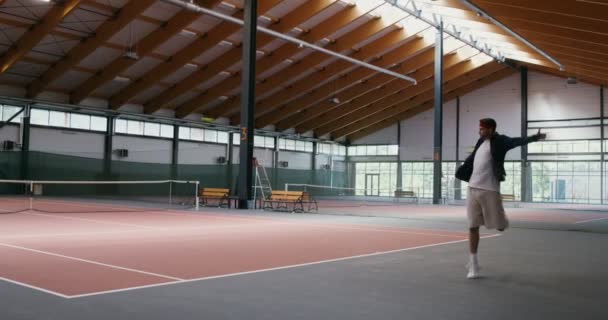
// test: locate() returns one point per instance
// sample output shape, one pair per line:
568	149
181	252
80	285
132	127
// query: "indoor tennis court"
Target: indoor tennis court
303	159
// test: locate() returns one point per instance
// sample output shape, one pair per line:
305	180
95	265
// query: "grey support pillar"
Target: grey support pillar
438	129
175	152
275	165
25	143
457	182
313	163
603	149
399	167
247	125
525	170
107	148
230	163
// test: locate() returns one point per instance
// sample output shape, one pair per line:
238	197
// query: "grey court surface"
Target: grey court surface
528	273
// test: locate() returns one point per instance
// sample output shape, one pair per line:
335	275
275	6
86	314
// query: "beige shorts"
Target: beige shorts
484	208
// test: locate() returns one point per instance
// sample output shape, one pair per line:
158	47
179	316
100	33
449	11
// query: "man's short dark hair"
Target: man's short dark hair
487	123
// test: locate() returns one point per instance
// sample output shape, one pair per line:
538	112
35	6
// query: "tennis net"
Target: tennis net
96	196
332	196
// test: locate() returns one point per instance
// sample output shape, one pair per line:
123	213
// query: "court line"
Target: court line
273	269
59	216
90	261
592	220
29	286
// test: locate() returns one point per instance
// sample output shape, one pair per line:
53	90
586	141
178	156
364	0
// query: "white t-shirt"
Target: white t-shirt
483	174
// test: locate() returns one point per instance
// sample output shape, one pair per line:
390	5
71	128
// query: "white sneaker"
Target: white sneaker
473	271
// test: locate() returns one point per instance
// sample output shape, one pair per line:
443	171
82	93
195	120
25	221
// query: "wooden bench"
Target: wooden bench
406	194
282	200
219	194
508	197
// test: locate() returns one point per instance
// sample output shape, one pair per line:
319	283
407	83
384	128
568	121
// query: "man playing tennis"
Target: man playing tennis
484	170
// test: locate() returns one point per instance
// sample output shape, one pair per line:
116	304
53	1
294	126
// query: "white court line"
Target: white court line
90	261
59	216
273	269
35	288
598	219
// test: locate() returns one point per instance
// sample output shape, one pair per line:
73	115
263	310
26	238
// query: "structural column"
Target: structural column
25	143
457	182
438	131
230	163
313	163
603	148
175	152
107	148
525	170
247	105
399	167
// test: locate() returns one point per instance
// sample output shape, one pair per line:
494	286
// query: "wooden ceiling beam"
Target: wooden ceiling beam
351	105
88	45
309	62
318	32
458	86
145	47
370	110
416	53
220	32
234	55
37	32
302	87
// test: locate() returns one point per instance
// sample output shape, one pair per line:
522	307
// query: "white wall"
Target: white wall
264	156
297	160
200	153
9	132
550	98
148	150
501	101
66	142
385	136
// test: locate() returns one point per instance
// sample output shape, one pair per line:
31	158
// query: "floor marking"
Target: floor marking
598	219
59	216
273	269
35	288
90	261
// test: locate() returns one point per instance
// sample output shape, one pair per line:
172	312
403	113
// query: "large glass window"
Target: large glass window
6	112
566	181
375	178
145	128
43	117
373	150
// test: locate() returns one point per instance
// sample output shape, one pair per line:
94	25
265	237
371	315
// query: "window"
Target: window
60	119
152	129
373	150
7	112
39	117
375	178
222	137
166	131
197	134
554	181
135	127
211	135
184	133
80	121
99	123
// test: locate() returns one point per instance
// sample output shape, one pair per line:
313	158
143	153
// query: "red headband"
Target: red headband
485	125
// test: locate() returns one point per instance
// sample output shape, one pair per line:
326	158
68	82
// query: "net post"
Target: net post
31	185
196	183
287	187
171	192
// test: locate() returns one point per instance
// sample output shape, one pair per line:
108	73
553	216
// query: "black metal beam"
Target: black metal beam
313	163
438	129
107	149
524	132
25	143
399	165
603	149
457	182
247	105
230	164
175	152
3	123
